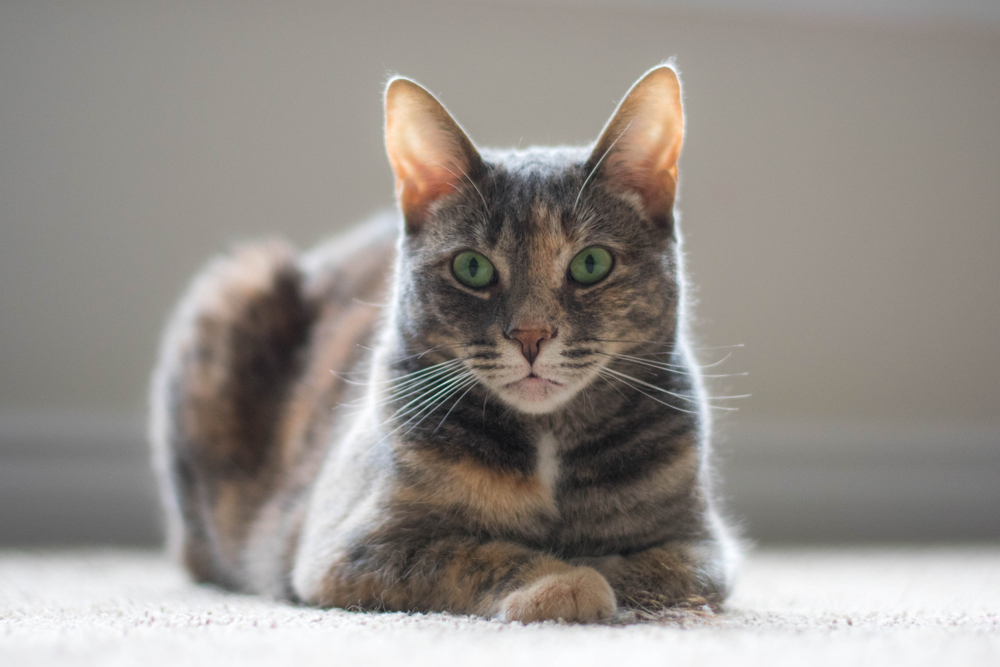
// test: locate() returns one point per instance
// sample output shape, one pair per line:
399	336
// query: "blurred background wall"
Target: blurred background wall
840	198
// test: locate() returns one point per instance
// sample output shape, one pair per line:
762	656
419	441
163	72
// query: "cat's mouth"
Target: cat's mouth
533	381
535	394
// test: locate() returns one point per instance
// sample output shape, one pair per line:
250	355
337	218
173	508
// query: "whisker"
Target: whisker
419	409
711	365
660	343
420	355
468	178
421	386
716	363
592	171
369	303
670	368
402	380
448	390
611	384
364	371
627	384
690	399
452	408
410	379
440	346
670	348
434	406
372	349
626	376
443	386
363	401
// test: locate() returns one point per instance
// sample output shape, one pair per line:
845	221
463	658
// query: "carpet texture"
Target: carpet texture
926	606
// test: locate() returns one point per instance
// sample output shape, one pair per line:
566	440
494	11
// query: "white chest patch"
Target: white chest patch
548	462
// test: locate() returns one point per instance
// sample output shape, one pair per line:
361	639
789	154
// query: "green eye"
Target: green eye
473	269
590	265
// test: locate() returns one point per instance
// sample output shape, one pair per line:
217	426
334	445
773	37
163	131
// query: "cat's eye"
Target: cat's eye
590	265
473	269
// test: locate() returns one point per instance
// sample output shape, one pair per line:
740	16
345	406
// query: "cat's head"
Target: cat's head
533	266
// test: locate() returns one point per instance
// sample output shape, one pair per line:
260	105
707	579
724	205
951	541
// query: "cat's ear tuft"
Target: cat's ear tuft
429	153
639	147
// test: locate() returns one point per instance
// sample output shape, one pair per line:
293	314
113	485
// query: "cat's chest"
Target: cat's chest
547	463
521	500
551	499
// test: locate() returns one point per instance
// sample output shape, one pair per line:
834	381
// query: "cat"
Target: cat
482	404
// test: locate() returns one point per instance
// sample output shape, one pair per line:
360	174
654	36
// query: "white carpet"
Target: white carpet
937	606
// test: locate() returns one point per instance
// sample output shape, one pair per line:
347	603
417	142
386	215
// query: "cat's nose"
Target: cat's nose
531	339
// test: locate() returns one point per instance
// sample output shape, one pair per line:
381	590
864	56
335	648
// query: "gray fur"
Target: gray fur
426	483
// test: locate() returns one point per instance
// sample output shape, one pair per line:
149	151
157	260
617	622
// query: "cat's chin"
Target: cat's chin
535	395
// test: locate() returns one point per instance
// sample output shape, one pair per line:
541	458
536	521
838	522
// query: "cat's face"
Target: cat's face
536	325
534	267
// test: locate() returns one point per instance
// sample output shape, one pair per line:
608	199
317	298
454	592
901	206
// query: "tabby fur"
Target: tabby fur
353	427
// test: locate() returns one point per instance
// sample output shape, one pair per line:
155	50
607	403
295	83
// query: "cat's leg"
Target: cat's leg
576	594
675	574
502	580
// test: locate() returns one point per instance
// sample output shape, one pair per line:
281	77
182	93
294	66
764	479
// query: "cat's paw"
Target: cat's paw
579	595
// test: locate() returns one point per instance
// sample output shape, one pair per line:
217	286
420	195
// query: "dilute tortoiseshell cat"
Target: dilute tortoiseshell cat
485	405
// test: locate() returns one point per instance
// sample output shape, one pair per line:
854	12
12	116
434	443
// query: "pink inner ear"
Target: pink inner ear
648	168
422	175
651	153
644	140
418	186
428	151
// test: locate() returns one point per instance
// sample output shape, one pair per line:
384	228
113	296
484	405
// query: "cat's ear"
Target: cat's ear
428	151
639	147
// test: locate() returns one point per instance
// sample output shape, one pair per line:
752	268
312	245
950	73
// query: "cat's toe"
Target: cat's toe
581	595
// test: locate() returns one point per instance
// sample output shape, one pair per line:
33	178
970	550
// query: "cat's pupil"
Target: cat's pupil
589	263
473	267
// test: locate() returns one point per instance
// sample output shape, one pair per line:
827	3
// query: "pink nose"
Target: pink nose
531	340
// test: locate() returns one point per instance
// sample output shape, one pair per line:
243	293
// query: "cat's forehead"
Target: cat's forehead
530	194
537	160
540	195
534	200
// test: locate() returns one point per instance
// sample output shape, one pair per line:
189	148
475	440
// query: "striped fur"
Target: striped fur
344	428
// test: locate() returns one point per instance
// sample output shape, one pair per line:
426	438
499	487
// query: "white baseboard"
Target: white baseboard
84	478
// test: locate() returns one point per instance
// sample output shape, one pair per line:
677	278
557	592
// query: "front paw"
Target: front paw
580	595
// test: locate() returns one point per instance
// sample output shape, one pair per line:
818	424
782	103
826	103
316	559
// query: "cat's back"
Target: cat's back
353	263
347	280
261	351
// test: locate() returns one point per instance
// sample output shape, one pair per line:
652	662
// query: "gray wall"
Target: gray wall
839	193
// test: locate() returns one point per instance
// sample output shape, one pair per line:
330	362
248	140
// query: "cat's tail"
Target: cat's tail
226	365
